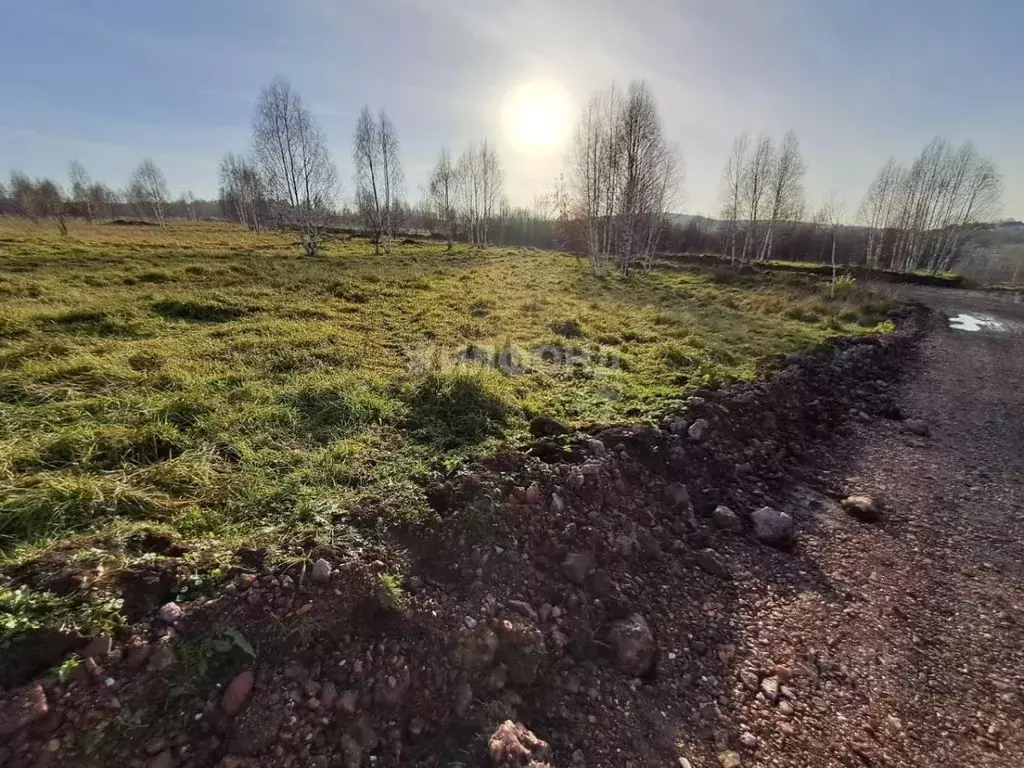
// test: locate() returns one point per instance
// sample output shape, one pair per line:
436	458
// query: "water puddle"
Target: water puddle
975	323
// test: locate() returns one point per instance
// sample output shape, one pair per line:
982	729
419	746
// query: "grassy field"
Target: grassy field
218	385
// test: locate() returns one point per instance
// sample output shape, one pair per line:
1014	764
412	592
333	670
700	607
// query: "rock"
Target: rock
677	495
684	763
709	560
786	708
577	566
729	759
348	702
20	708
351	752
862	508
596	446
170	613
750	679
321	571
156	746
633	645
748	740
545	426
649	545
417	726
463	699
523	651
697	430
329	695
770	689
533	493
726	519
772	527
163	760
161	658
237	693
917	427
782	672
557	506
514	745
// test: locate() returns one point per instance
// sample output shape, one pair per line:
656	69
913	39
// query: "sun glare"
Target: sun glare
536	116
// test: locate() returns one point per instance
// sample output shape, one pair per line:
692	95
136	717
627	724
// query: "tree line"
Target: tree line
613	202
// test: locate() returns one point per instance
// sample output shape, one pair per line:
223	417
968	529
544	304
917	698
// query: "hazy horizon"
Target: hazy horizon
858	83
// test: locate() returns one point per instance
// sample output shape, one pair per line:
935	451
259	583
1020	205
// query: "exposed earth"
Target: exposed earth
824	568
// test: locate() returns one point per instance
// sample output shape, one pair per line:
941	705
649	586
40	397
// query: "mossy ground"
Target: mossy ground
220	386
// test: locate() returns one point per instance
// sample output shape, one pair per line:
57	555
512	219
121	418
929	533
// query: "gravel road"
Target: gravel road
915	640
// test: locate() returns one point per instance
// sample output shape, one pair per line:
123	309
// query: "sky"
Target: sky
110	82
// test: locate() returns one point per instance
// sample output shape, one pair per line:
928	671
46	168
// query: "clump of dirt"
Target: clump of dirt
570	591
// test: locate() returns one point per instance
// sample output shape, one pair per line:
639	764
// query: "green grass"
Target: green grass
220	384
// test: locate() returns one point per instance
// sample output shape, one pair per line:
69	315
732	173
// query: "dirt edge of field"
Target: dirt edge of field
579	587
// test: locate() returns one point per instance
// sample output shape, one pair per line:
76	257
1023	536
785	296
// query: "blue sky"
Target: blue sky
110	82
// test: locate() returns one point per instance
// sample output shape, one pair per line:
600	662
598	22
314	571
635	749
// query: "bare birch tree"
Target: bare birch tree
785	189
378	175
830	218
733	185
391	171
917	216
442	190
147	188
756	181
624	177
300	178
241	191
877	208
479	190
80	187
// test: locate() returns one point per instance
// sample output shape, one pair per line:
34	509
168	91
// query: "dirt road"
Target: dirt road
914	638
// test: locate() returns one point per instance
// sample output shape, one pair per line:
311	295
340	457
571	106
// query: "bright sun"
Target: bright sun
536	116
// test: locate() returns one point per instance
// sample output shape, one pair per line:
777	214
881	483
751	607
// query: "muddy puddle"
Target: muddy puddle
974	323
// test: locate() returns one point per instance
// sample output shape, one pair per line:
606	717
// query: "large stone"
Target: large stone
677	495
709	561
170	613
726	519
321	571
633	645
772	527
862	508
917	427
514	745
20	708
577	566
237	693
698	430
